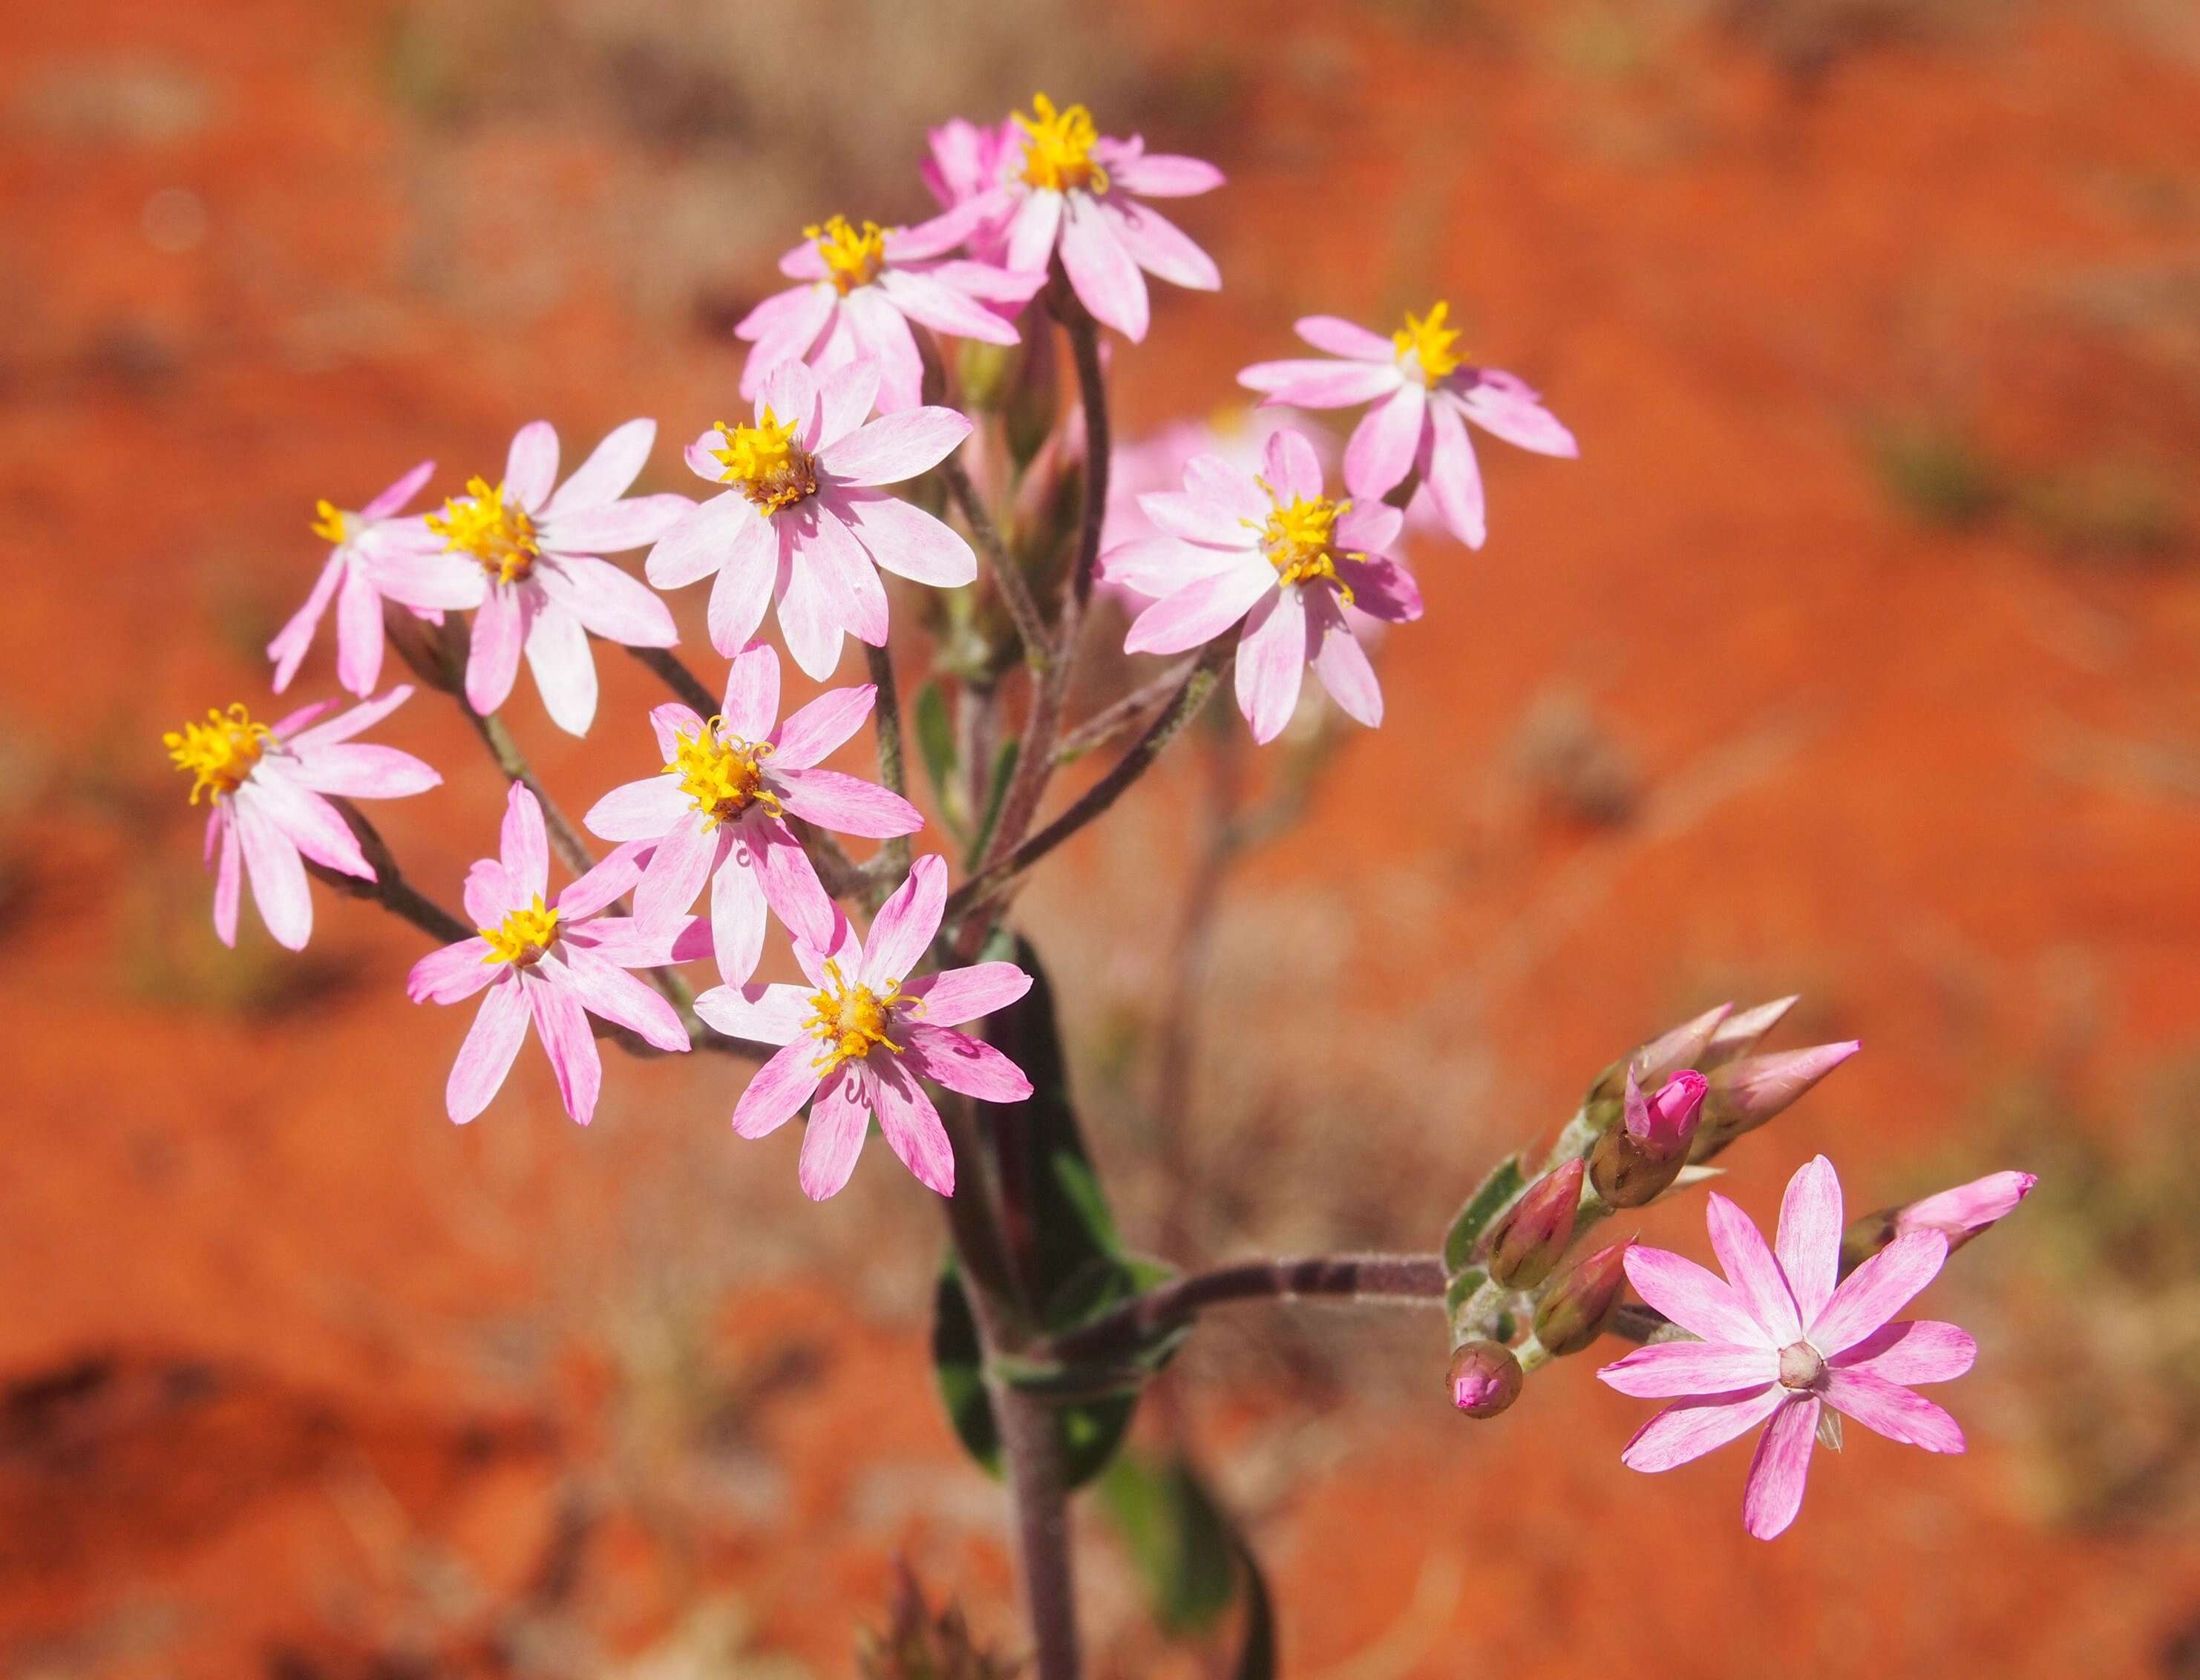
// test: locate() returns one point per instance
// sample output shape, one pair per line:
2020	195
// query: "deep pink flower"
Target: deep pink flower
717	811
863	287
803	523
265	786
377	553
1961	1213
1274	551
866	1035
1782	1339
1424	393
1061	184
540	586
555	962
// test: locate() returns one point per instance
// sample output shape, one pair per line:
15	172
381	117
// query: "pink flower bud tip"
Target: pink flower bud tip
1575	1311
1662	1125
1484	1378
1969	1209
1530	1239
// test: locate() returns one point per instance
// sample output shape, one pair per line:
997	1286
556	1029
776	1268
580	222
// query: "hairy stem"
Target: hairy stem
1008	576
565	839
1105	724
891	863
687	687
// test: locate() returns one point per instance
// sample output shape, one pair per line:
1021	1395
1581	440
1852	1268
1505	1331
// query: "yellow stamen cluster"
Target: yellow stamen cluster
771	469
848	1020
1300	540
724	777
495	532
523	936
1427	339
1058	147
220	752
331	522
853	258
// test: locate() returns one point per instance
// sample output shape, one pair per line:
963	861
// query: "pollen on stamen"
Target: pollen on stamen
1429	342
220	752
1058	147
495	531
524	937
852	257
1300	540
331	522
765	462
849	1021
724	777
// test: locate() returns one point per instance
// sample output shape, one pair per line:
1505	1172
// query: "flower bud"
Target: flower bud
1485	1378
1744	1094
1684	1046
1741	1032
1959	1214
1035	401
1529	1239
1574	1310
986	374
1634	1161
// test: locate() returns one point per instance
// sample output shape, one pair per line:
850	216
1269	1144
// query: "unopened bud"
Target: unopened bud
1035	401
1634	1161
1529	1239
1574	1310
1741	1032
1485	1378
1746	1093
986	374
1682	1046
1959	1214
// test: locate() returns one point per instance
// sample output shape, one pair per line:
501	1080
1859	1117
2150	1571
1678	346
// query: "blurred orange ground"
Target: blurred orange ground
303	1380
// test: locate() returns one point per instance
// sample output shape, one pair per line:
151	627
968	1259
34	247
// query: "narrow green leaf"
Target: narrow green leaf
1491	1196
958	1367
1178	1536
1005	770
935	740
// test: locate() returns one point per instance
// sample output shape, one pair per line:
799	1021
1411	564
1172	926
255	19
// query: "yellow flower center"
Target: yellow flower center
331	522
772	469
497	533
724	777
1058	147
853	258
848	1020
523	936
1426	338
1300	540
220	752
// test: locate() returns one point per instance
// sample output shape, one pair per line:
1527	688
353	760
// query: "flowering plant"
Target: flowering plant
902	413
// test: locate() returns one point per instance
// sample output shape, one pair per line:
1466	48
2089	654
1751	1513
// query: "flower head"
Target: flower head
533	572
551	959
716	812
376	554
1272	550
864	1032
1781	1340
799	519
1423	391
268	786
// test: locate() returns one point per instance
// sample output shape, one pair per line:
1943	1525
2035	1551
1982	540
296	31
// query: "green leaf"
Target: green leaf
958	1367
1491	1198
935	740
1004	771
1178	1536
1461	1289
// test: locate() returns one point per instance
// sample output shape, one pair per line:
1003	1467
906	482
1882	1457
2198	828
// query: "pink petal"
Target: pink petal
1454	482
879	335
1345	338
1693	1298
641	810
289	649
791	394
906	539
1340	662
428	581
758	1014
1504	407
617	607
906	922
1370	527
1382	589
964	1064
604	988
1201	611
808	605
364	771
847	397
790	882
277	877
1311	384
744	586
1160	248
359	633
488	893
614	527
1291	468
500	632
1912	1350
306	820
1234	494
1776	1474
939	306
847	804
820	727
490	1044
401	491
750	703
1810	1237
229	876
912	1126
1272	662
1665	1369
846	570
895	447
778	1090
1031	232
453	973
564	670
531	468
794	317
353	721
615	876
737	914
612	467
1106	279
960	995
566	1039
1879	1289
838	1120
675	874
702	539
1753	1272
525	846
1690	1428
668	722
1164	175
1383	445
1194	516
1889	1409
1160	566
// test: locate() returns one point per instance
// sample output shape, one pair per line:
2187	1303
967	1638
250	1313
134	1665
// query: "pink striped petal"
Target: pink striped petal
1889	1409
612	468
488	893
1776	1474
605	989
1810	1236
617	607
960	995
847	804
1912	1350
1345	338
277	878
906	922
912	1126
1201	611
1291	467
750	705
500	632
566	1039
683	860
964	1064
744	585
524	845
778	1090
847	571
1879	1289
1272	662
838	1120
452	974
493	1039
1381	451
940	307
359	771
1310	384
352	720
1030	233
821	727
905	539
738	920
641	810
1754	1274
1160	247
1697	1301
564	670
702	539
846	398
531	467
1505	407
1339	662
1101	270
359	633
895	447
790	884
1665	1369
808	606
615	874
1690	1428
758	1014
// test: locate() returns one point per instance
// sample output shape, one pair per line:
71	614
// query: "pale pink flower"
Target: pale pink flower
540	586
717	810
803	522
862	1039
1424	393
863	287
1781	1341
1062	185
555	962
965	163
266	786
1274	551
377	553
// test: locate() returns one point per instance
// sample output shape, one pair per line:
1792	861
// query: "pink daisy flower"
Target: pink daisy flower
377	554
266	787
1067	187
541	587
1424	393
555	963
718	811
803	523
1781	1341
965	163
1274	551
863	287
863	1038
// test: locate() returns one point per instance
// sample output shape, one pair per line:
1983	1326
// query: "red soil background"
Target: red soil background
1857	656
